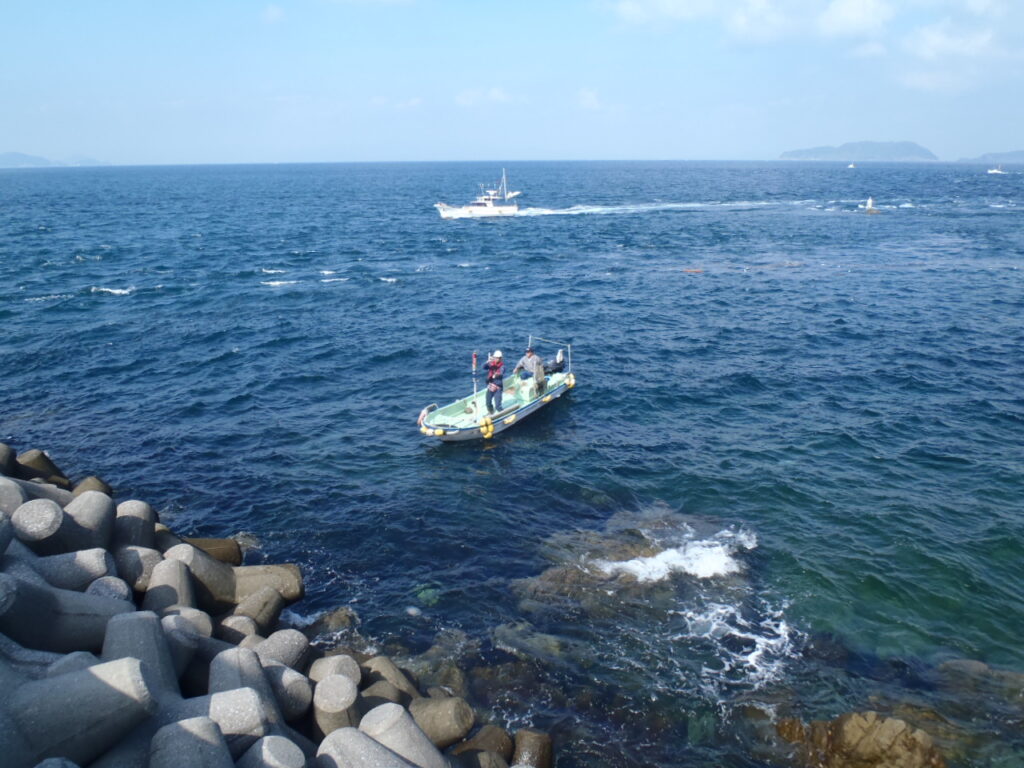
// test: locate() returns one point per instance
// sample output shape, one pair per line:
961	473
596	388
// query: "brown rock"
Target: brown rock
861	740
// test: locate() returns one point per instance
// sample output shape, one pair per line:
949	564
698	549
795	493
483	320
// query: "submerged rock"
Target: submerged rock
860	740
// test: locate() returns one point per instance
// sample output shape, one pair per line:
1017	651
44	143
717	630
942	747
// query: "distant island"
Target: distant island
865	151
997	157
21	160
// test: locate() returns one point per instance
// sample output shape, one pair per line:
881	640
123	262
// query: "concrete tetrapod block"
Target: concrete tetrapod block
12	496
213	580
24	662
263	606
240	714
293	690
71	662
81	714
75	570
273	752
234	629
381	692
35	463
182	646
197	740
200	621
338	664
393	726
140	635
490	738
335	705
286	578
241	668
91	483
57	762
135	565
288	646
6	527
164	537
170	583
226	550
40	524
93	512
35	490
134	525
445	721
8	459
51	619
110	586
383	668
476	758
533	748
351	748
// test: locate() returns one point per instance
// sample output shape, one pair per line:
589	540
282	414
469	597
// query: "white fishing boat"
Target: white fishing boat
490	203
869	206
467	418
998	169
851	165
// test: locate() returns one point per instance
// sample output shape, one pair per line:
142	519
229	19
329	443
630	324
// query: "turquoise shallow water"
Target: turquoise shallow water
789	481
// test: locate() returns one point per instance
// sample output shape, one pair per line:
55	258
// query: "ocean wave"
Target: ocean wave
266	271
277	283
704	559
335	280
50	297
113	291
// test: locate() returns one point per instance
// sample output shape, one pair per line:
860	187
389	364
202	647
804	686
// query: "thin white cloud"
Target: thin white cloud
472	97
854	18
941	40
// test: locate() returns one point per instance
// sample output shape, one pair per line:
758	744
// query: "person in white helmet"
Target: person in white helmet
495	368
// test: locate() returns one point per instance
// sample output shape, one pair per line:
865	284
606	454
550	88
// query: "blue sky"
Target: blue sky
227	81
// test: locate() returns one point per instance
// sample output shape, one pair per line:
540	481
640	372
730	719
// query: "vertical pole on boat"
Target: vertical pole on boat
474	371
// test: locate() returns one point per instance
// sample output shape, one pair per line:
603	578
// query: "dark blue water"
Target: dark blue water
789	481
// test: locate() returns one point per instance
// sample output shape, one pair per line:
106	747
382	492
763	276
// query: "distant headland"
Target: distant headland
997	157
21	160
865	151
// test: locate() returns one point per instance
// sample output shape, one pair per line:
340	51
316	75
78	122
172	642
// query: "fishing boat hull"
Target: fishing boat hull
467	419
475	212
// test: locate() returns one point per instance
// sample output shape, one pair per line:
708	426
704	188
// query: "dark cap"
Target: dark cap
529	349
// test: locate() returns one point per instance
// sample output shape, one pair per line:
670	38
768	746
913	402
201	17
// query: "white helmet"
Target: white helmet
497	353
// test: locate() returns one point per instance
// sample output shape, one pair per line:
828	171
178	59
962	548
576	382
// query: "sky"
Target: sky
228	81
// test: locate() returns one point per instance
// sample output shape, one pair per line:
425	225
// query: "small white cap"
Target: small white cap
497	353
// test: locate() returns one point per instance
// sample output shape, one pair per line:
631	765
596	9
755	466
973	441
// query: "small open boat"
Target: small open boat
467	419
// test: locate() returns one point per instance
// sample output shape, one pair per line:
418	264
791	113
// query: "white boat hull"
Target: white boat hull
474	427
475	212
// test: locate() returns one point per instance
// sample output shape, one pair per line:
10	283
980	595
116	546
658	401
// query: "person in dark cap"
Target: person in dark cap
495	368
530	366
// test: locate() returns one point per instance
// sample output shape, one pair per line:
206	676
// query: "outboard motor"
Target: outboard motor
556	364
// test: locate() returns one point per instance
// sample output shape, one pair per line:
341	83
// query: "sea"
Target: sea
789	481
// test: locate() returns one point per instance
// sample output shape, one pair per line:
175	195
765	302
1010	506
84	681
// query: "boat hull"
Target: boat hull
472	212
436	425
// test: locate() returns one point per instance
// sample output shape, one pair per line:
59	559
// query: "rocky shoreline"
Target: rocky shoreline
125	645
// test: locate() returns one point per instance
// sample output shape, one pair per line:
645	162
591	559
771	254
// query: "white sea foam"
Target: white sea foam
266	271
703	559
389	279
334	280
114	291
50	297
326	271
578	210
276	283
